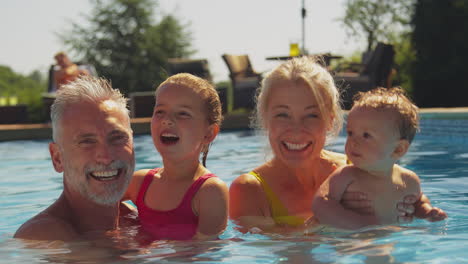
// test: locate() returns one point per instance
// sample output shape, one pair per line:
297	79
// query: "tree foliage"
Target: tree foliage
403	62
27	90
376	19
440	40
126	45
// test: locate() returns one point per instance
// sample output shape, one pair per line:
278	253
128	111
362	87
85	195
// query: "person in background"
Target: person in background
381	126
182	200
299	110
68	71
93	148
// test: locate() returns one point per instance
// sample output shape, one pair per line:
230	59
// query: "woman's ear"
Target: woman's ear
56	156
401	148
211	133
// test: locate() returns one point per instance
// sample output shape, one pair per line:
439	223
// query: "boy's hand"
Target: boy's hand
421	208
432	214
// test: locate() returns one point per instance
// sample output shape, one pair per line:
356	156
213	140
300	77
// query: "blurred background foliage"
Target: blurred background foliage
439	39
23	90
128	43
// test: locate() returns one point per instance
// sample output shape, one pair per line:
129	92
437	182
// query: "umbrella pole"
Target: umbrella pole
304	14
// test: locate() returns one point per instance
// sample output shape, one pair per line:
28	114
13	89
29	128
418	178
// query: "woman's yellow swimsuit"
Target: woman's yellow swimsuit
279	213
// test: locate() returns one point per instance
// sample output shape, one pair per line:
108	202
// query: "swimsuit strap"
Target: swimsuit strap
144	186
196	185
279	213
276	206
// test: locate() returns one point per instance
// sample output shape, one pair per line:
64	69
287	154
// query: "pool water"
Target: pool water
439	154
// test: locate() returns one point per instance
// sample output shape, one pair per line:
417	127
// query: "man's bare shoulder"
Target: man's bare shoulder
46	227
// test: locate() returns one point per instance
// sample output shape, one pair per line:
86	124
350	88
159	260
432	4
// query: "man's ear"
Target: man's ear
401	148
56	156
211	133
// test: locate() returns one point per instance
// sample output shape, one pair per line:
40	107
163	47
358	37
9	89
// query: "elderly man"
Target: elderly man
93	147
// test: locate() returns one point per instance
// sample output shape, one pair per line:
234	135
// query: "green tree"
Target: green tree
376	19
27	90
405	56
126	45
440	40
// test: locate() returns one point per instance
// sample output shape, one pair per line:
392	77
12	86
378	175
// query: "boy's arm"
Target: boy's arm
424	209
418	206
328	209
211	205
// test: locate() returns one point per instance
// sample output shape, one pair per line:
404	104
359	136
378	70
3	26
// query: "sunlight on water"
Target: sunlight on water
28	184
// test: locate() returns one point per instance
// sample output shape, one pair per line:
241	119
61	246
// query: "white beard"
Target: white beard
113	192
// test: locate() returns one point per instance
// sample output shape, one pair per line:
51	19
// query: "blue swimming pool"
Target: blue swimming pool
439	155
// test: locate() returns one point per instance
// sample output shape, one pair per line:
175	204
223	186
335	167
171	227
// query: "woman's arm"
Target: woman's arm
357	202
211	204
248	205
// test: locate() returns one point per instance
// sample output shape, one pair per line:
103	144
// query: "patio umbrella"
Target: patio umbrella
303	14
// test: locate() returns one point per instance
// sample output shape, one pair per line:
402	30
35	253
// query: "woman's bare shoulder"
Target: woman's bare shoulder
338	159
245	180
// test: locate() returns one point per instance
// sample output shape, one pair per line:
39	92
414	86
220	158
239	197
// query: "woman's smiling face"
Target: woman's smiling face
295	125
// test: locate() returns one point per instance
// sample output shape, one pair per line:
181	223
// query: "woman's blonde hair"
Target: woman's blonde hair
308	71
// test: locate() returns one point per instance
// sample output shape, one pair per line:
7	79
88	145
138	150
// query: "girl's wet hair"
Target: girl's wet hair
208	94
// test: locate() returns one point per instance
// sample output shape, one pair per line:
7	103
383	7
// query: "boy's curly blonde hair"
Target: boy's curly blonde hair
393	99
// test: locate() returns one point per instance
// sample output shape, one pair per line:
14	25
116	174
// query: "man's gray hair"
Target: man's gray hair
84	89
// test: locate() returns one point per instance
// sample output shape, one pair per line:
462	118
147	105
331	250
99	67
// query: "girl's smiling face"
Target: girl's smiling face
179	126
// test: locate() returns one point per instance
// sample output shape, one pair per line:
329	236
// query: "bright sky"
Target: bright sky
259	28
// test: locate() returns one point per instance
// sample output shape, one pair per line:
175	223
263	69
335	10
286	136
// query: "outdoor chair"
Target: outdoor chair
244	80
376	73
354	66
198	67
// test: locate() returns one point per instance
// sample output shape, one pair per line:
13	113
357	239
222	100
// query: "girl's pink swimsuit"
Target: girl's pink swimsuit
179	223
